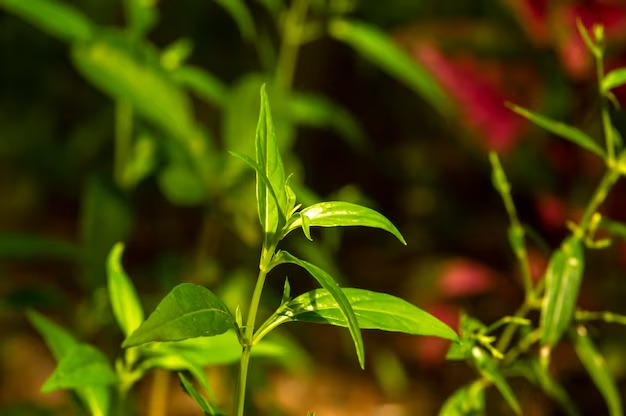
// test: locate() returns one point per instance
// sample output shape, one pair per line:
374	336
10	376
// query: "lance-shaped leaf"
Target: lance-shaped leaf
560	129
122	294
598	370
204	404
563	277
466	401
373	310
374	45
271	197
328	283
53	17
614	79
188	311
488	369
338	214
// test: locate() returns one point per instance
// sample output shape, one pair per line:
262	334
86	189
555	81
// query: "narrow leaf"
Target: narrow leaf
31	246
466	401
374	45
240	13
202	83
82	366
560	129
204	404
337	214
328	283
490	371
614	79
373	310
122	294
188	311
563	277
553	389
598	371
53	17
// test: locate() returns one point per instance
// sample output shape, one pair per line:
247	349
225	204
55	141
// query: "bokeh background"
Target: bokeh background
70	187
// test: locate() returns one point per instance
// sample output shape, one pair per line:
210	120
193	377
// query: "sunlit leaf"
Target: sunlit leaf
598	370
53	17
328	283
563	278
122	294
188	311
373	44
338	214
560	129
202	83
240	13
204	404
466	401
614	79
489	370
82	366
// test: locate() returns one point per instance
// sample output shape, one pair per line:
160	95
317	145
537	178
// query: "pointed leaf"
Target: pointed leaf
488	368
598	371
373	310
58	340
188	311
560	129
373	44
328	283
204	404
563	278
122	294
466	401
338	214
83	366
552	388
53	17
614	79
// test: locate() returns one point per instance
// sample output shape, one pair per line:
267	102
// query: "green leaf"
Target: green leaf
202	83
53	17
122	294
141	16
373	310
27	246
204	404
489	370
182	185
328	283
82	366
614	79
617	228
188	311
466	401
597	368
338	214
552	388
374	45
563	277
176	53
271	210
240	13
560	129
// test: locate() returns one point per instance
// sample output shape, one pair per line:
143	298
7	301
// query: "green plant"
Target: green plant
524	347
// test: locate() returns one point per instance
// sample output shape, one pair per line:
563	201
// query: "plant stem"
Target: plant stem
290	43
606	120
158	394
123	140
607	182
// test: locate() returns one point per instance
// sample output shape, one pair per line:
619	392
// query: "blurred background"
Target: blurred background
393	105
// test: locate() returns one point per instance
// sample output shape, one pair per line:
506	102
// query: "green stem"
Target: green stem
607	182
606	120
123	140
290	43
608	317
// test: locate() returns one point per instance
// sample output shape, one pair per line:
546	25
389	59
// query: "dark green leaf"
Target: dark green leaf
328	283
373	310
25	246
466	401
563	278
188	311
82	366
560	129
378	48
616	228
597	369
337	214
201	83
204	404
552	388
240	13
141	16
122	294
489	370
614	79
53	17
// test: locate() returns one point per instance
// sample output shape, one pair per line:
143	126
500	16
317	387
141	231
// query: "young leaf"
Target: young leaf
488	369
560	129
188	311
563	278
374	45
123	296
328	283
337	214
176	53
597	369
466	401
83	366
271	209
204	404
53	17
373	310
614	79
202	83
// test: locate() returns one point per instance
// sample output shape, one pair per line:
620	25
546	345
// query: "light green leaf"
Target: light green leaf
141	16
373	44
204	404
122	294
53	17
466	401
328	283
614	79
597	369
182	185
176	53
563	278
560	129
489	370
373	310
82	366
271	210
240	13
338	214
202	83
188	311
141	162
